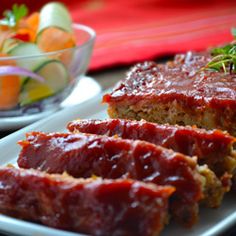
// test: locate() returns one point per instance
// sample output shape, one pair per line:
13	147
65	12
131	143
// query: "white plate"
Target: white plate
84	90
212	221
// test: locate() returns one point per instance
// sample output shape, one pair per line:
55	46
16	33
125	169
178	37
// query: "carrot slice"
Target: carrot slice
53	39
33	21
29	26
9	87
4	28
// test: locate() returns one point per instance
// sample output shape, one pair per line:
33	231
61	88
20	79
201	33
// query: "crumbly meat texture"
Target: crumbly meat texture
178	92
214	148
111	207
83	155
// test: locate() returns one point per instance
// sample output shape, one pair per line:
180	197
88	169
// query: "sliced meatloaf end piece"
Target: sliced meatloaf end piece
177	92
111	207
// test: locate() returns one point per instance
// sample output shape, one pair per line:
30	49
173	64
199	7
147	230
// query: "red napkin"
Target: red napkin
129	31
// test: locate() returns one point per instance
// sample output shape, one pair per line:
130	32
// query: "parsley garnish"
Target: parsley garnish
224	58
12	17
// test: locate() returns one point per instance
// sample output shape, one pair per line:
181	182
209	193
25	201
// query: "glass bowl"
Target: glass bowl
60	69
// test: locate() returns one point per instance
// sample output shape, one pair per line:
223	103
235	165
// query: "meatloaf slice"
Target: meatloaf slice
178	92
92	206
214	148
82	155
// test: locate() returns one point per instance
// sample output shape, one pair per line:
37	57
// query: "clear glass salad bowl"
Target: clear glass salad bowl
60	71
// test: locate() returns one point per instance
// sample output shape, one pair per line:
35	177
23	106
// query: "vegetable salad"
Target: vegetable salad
25	80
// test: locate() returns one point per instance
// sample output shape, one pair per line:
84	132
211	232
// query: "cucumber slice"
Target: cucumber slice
56	79
54	15
28	49
9	44
55	30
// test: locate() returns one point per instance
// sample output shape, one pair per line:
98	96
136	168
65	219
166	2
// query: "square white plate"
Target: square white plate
212	221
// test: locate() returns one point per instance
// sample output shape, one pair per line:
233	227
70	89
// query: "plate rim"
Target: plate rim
218	228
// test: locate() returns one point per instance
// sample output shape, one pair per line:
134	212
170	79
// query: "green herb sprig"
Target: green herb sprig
12	17
224	58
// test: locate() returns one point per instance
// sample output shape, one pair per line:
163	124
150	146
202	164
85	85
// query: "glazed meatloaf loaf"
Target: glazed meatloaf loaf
178	92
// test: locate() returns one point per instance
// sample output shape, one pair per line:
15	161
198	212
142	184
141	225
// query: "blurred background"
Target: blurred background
129	31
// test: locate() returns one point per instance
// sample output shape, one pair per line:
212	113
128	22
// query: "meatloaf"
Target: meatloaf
178	92
92	206
83	155
214	148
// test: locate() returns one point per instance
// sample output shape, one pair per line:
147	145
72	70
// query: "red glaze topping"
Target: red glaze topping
211	147
96	207
83	155
180	79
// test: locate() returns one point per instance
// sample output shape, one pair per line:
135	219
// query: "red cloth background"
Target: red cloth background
135	30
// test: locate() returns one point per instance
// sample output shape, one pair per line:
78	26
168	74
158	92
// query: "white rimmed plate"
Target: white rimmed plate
212	221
